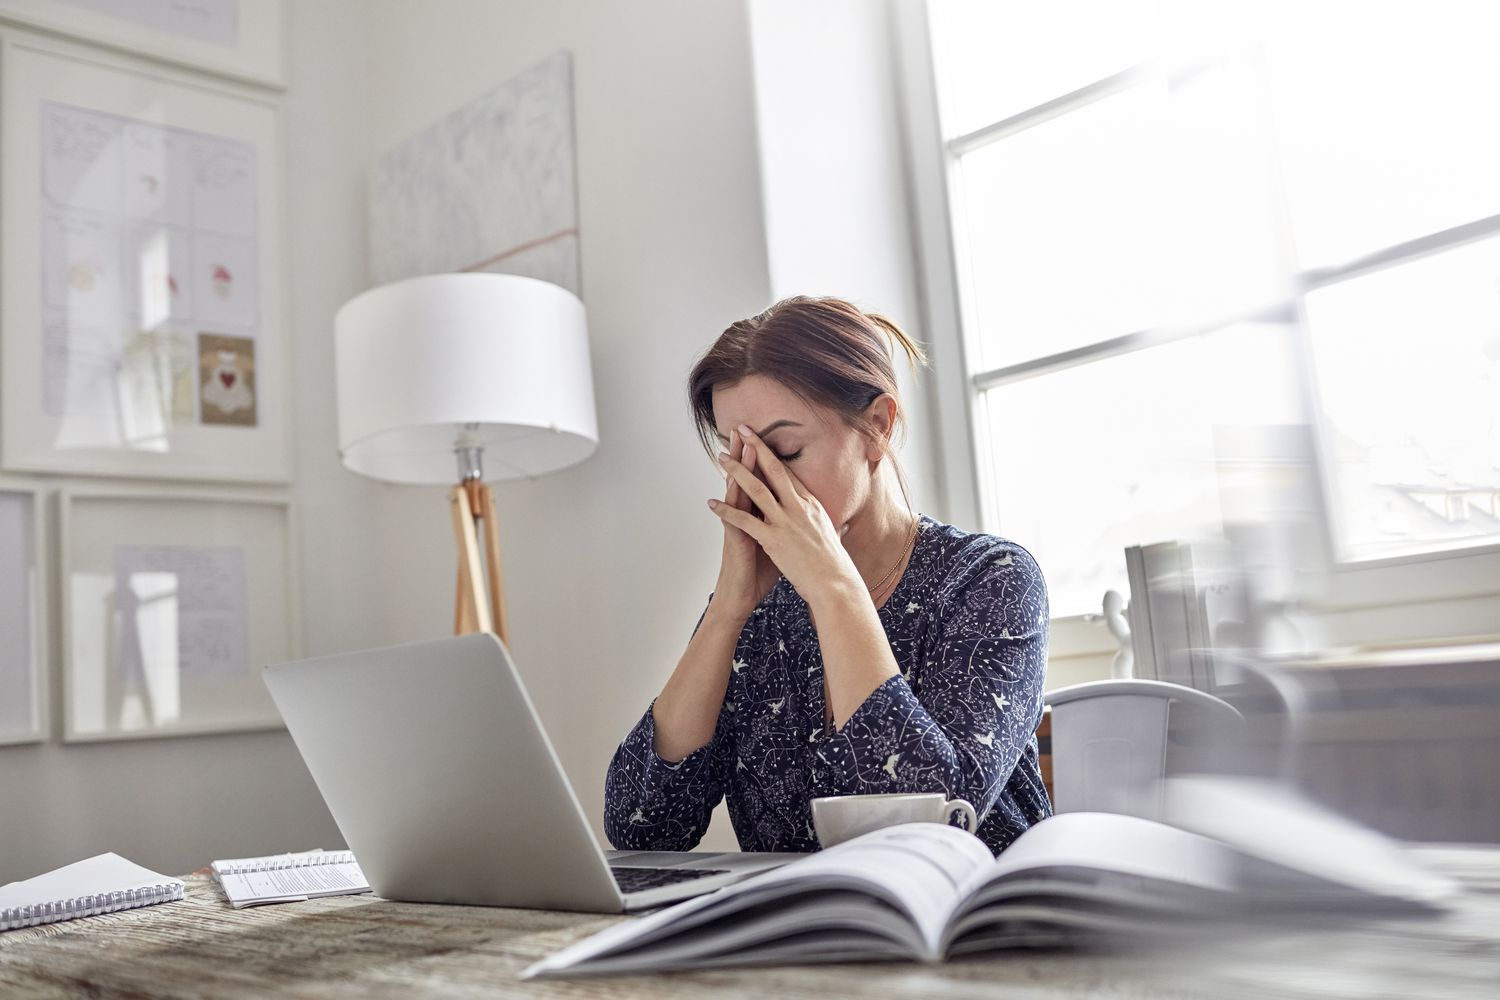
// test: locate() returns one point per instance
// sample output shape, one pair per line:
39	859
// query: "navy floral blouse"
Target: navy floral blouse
968	626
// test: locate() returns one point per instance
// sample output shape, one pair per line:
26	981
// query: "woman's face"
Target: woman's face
830	458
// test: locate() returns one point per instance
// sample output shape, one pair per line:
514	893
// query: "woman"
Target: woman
851	645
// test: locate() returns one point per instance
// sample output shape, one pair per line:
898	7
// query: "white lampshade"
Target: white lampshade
496	361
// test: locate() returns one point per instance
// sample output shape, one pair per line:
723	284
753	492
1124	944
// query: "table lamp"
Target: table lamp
465	377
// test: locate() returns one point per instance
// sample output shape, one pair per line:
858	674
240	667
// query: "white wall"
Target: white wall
176	804
834	184
607	564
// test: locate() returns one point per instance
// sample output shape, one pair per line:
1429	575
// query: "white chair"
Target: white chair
1109	743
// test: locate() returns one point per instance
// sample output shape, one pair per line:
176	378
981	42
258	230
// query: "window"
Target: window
1198	244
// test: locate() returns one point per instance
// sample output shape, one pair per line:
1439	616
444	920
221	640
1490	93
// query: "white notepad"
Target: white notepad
289	878
101	884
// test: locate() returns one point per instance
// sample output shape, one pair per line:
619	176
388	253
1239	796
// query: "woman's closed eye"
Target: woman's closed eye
789	458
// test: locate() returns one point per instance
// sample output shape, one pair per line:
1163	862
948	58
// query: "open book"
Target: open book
924	892
289	878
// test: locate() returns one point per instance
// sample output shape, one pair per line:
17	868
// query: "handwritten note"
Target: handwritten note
80	158
223	186
193	593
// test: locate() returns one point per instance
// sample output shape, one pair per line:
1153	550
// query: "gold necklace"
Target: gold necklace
900	558
911	542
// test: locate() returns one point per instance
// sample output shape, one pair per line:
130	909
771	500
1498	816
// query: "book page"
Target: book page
284	878
919	867
1113	842
1275	824
916	868
301	881
314	856
866	931
1080	873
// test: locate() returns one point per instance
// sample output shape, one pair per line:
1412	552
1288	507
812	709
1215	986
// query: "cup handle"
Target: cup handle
961	808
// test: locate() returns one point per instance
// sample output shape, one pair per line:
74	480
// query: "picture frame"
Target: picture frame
171	605
237	39
142	305
25	680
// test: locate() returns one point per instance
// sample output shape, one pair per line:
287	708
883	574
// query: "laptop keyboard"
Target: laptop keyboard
637	879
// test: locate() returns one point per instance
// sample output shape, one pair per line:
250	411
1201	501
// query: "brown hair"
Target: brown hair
824	349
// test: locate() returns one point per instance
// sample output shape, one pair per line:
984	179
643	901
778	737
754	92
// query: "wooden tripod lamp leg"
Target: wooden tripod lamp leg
462	605
492	561
472	613
462	622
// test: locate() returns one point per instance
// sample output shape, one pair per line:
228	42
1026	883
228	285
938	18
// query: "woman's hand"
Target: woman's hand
793	528
746	573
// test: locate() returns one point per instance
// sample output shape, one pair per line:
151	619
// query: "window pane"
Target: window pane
995	59
1407	364
1118	452
1150	207
1386	120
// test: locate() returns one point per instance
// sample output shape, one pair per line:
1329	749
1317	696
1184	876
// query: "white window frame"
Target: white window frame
1408	588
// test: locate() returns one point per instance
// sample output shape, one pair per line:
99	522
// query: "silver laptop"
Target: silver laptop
436	769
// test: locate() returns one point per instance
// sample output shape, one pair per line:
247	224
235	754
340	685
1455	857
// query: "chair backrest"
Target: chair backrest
1044	752
1109	743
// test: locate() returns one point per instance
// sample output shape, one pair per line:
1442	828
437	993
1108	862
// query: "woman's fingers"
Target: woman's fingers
744	520
749	461
802	491
750	484
733	495
779	478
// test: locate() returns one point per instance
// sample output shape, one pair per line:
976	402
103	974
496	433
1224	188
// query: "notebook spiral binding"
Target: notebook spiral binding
12	918
283	861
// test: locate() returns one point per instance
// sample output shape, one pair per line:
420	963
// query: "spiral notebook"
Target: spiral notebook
289	878
101	884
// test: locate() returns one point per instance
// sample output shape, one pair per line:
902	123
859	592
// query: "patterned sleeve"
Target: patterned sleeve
978	698
652	804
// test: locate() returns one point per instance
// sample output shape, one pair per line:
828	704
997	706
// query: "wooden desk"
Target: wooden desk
360	946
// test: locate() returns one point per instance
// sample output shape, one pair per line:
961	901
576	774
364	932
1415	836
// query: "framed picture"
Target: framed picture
142	326
241	39
171	606
24	681
430	211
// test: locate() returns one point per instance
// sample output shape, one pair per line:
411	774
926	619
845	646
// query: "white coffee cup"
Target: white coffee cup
842	817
